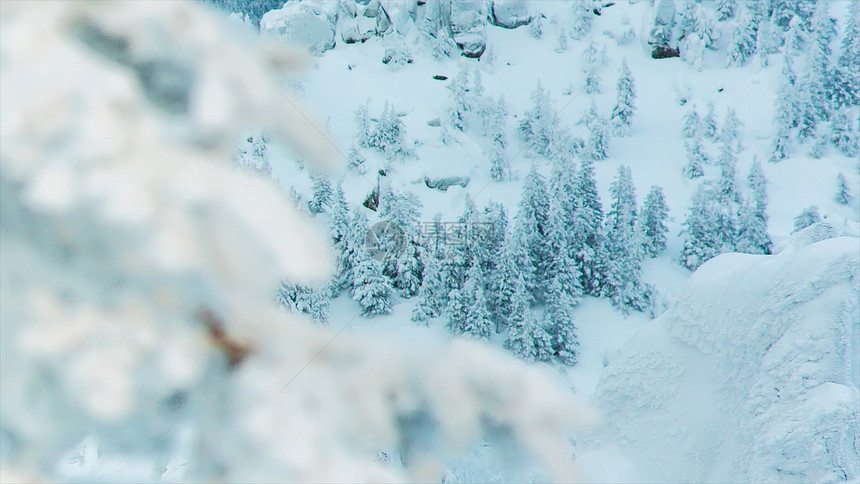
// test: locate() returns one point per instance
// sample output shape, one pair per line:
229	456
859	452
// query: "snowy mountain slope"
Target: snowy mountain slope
752	376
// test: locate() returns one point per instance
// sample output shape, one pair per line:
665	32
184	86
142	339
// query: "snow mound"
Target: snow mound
782	334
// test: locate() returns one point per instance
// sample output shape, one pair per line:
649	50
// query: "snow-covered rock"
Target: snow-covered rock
752	376
511	14
310	23
468	26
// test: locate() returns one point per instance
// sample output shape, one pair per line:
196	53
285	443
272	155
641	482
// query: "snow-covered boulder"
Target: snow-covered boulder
510	14
310	23
751	376
469	28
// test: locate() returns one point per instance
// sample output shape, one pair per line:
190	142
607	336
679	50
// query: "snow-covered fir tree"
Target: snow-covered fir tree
532	218
844	133
362	124
312	301
564	280
540	129
787	110
846	76
371	288
742	41
252	155
512	276
322	194
625	104
653	225
338	221
500	165
475	321
586	234
492	236
726	9
816	102
752	215
843	193
564	339
355	160
462	100
430	300
703	227
350	252
709	123
536	26
806	218
696	159
388	136
691	122
729	131
591	63
622	265
597	146
583	17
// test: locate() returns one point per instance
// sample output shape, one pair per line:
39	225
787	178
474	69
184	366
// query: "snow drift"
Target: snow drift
752	376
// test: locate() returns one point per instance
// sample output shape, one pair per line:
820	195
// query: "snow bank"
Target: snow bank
752	376
305	23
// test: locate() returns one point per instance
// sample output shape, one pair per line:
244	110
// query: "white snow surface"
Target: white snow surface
751	376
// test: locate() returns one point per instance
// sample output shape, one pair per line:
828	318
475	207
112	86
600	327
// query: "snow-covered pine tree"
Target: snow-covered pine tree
691	122
815	104
509	282
787	97
846	77
371	288
338	221
312	301
590	67
407	278
540	129
781	145
564	340
742	41
729	131
350	250
843	193
492	236
583	16
526	339
806	218
532	215
355	161
462	102
696	159
477	322
703	228
564	287
653	225
728	172
709	123
500	165
622	265
598	135
622	113
389	135
752	215
430	300
536	26
586	234
322	194
843	131
726	9
252	155
362	125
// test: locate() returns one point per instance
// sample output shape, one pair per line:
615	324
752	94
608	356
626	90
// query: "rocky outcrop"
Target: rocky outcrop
510	14
469	27
310	23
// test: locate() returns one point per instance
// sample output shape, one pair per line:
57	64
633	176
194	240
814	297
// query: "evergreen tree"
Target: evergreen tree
752	223
564	287
843	133
371	288
463	101
500	165
622	265
400	209
389	134
582	19
492	236
654	214
757	184
598	135
509	294
407	278
709	123
540	129
252	155
846	78
691	122
843	193
339	219
590	67
475	321
704	228
742	41
781	145
533	217
430	300
322	194
564	341
806	218
350	254
726	9
695	159
586	236
622	113
355	161
362	125
312	301
728	170
536	26
787	101
815	105
729	131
